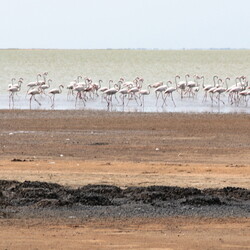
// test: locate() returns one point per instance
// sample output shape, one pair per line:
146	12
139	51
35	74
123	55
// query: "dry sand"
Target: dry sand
125	149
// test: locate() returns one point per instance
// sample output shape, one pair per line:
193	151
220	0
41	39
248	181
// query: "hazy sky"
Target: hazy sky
97	24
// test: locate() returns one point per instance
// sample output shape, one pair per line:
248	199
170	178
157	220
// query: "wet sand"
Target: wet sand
76	148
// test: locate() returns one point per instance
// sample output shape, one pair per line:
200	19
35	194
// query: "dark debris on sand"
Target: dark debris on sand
42	198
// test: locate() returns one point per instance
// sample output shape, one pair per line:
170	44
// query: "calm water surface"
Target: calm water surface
152	65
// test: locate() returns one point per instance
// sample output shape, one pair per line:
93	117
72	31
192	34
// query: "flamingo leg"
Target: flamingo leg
53	103
76	98
157	97
182	91
116	98
142	101
27	92
30	100
247	101
10	100
83	99
37	101
205	97
171	94
164	100
122	97
128	101
162	96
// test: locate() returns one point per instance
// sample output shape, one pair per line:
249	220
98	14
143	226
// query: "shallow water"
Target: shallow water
152	65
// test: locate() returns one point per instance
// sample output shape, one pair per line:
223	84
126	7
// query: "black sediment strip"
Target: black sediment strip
107	200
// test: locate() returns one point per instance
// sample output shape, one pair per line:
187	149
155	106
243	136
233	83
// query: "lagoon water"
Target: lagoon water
153	65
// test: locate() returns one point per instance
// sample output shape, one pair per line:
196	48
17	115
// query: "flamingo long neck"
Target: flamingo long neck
196	80
219	83
139	84
44	78
203	81
37	77
175	79
237	80
19	85
242	82
78	79
149	87
12	81
100	83
227	79
49	81
215	80
110	81
116	86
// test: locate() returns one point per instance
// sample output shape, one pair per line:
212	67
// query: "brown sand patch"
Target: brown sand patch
161	233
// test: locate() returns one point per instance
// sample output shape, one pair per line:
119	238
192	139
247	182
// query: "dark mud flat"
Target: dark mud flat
35	199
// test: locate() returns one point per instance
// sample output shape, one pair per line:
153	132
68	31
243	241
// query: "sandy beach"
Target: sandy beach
76	148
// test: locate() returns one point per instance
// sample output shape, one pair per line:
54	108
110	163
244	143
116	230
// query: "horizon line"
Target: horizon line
123	49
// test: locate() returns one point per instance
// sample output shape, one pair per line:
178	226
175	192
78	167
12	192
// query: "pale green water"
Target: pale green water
153	65
65	65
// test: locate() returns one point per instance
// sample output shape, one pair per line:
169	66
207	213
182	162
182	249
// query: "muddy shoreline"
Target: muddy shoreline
134	137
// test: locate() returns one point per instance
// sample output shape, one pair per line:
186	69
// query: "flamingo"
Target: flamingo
133	83
169	92
96	87
80	90
221	90
13	88
78	80
16	84
33	93
248	93
144	92
132	92
156	85
211	90
45	86
33	84
103	89
109	94
160	91
70	88
123	92
234	91
42	82
244	94
182	84
191	85
55	92
206	88
12	83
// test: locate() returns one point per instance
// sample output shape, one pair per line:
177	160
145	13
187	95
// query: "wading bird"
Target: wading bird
13	88
33	93
54	92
